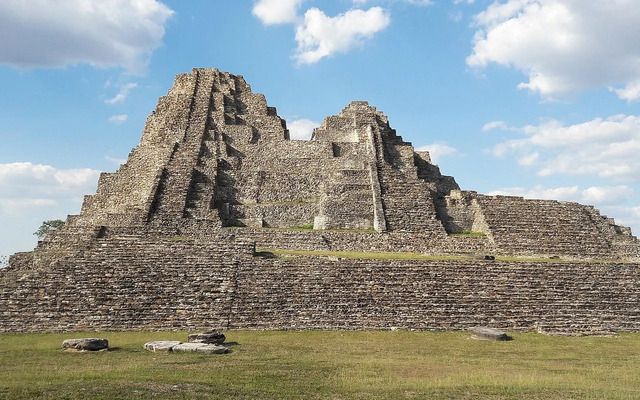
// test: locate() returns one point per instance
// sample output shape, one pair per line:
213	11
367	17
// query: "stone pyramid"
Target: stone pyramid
219	220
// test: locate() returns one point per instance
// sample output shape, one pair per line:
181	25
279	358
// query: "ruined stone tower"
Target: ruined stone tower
177	237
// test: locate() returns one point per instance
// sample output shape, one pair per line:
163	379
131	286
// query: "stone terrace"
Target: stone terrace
168	241
131	283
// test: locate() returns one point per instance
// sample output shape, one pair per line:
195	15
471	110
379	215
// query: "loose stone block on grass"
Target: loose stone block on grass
85	344
213	337
161	345
204	343
484	333
204	348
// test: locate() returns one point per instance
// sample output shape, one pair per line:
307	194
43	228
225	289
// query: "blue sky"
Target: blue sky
538	98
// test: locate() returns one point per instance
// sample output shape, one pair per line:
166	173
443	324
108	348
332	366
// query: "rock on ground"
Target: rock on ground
485	333
204	348
161	345
87	344
212	337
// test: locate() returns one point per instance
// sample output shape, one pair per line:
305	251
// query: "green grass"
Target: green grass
270	253
473	234
319	365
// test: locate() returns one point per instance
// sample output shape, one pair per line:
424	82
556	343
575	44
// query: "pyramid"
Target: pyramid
218	220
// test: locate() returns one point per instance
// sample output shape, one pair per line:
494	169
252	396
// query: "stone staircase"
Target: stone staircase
406	200
347	201
407	203
174	190
200	198
543	227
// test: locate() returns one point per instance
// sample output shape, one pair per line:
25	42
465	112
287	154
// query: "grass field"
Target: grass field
333	365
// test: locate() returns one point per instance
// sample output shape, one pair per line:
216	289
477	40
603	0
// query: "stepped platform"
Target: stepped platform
219	221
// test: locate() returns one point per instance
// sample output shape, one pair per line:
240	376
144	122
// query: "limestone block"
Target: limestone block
161	345
484	333
213	337
253	222
87	344
320	222
203	348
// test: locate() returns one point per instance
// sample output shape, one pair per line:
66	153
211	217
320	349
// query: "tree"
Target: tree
48	226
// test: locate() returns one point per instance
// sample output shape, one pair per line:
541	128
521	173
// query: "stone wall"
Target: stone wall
358	241
133	283
126	283
323	293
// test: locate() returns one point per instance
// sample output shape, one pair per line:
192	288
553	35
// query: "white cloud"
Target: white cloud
42	33
417	2
566	193
606	148
117	161
31	193
607	194
319	36
272	12
302	129
455	16
19	206
495	125
529	159
118	119
630	93
565	46
626	216
437	151
24	186
122	94
413	2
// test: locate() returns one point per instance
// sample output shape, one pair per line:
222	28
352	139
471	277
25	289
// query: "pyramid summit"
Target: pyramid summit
219	220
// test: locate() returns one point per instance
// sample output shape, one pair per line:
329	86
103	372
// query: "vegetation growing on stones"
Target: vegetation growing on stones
467	233
48	226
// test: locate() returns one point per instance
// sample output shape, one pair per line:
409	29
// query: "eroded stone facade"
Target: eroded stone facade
168	241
